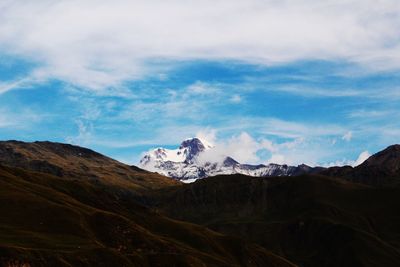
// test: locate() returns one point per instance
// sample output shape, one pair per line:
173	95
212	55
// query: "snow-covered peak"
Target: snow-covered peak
191	148
162	154
207	144
184	164
188	151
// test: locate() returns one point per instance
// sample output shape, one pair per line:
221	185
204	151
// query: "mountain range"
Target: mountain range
190	162
64	205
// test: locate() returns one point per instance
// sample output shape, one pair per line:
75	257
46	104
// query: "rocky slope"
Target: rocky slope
187	164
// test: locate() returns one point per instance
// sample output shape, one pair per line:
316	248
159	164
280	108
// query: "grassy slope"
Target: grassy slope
52	221
78	163
311	220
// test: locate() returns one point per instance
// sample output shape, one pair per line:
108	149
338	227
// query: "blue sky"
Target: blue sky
269	81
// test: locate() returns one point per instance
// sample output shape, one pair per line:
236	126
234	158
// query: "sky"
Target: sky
287	81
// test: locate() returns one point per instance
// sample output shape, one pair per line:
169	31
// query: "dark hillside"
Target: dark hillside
50	220
63	205
310	220
381	169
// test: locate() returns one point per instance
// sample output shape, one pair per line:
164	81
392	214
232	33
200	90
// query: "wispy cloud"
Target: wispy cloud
84	135
292	129
363	113
348	136
22	83
236	98
21	119
319	92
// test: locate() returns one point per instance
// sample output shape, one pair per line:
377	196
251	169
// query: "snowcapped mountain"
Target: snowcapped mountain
185	163
187	152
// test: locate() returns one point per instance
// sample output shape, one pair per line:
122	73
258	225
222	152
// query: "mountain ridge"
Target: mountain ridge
99	212
77	219
380	169
385	163
191	164
74	162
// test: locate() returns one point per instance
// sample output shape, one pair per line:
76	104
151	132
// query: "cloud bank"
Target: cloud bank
98	44
246	149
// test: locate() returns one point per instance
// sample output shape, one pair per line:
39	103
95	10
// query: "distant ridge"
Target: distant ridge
185	164
382	168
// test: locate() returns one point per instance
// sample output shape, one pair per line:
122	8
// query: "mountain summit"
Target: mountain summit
188	163
191	148
188	152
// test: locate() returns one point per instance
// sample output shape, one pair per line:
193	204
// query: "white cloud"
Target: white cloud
21	83
200	88
6	122
368	114
196	101
290	129
84	135
208	135
361	158
19	119
347	136
319	92
97	44
236	99
299	151
244	148
277	159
